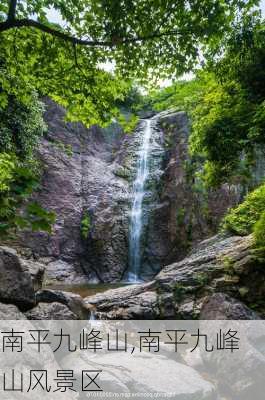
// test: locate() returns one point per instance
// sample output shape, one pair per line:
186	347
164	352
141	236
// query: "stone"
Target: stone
180	290
140	373
73	301
16	285
60	271
220	306
50	311
132	302
37	271
10	312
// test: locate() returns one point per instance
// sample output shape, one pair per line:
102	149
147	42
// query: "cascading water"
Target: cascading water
136	222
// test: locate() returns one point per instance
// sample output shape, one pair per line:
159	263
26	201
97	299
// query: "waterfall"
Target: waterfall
136	222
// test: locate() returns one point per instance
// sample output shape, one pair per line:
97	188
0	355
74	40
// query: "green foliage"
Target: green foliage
259	231
143	39
38	218
242	219
85	225
7	166
21	126
226	104
17	184
128	124
229	119
182	95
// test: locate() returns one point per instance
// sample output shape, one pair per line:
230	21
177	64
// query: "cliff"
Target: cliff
88	173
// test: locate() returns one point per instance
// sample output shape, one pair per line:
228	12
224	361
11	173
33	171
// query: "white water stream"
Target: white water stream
136	221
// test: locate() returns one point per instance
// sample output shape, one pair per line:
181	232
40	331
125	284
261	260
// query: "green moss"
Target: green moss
228	264
65	148
241	219
85	225
202	278
179	292
259	231
180	215
243	291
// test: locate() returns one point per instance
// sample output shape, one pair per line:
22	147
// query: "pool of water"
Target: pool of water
86	290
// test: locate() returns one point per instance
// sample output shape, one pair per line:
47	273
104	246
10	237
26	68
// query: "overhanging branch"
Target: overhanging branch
20	23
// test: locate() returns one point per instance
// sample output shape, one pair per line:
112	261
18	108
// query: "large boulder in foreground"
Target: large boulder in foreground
144	373
129	302
71	300
50	311
16	285
220	306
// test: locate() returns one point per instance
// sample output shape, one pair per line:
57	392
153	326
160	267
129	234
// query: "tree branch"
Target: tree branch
10	24
12	10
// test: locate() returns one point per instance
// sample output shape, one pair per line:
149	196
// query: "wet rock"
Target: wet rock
62	272
73	301
50	311
220	306
10	312
16	286
132	302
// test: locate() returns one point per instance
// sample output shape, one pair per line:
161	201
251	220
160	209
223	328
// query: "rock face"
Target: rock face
88	172
16	285
180	290
77	181
185	212
88	176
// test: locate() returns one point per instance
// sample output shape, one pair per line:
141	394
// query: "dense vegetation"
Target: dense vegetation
226	103
242	219
21	127
142	39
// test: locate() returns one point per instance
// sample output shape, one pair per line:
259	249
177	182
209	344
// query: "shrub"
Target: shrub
241	219
7	166
18	180
85	225
259	231
21	127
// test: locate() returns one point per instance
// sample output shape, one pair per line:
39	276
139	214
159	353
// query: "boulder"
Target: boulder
50	311
36	270
60	271
144	373
220	306
16	285
130	302
10	312
221	264
73	301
